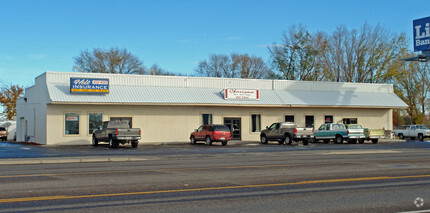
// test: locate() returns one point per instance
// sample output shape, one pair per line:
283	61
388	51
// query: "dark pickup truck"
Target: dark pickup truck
286	132
116	132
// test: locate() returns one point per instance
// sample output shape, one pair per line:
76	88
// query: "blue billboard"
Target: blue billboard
89	85
421	34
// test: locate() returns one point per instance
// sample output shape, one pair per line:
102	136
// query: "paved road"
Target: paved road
386	177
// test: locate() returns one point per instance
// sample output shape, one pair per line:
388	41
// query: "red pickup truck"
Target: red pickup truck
211	133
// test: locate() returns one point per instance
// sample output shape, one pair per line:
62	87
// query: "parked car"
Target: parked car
286	132
3	133
374	134
116	132
330	131
413	131
355	133
211	133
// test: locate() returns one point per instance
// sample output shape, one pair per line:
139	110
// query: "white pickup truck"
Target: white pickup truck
413	131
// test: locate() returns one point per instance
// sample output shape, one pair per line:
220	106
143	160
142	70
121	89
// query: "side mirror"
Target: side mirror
267	127
195	130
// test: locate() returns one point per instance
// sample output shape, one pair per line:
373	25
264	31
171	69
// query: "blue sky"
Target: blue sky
39	36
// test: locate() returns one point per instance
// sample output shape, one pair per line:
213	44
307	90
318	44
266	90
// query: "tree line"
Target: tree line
370	54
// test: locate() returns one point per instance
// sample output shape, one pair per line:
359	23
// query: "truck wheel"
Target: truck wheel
263	139
352	141
224	143
305	142
338	139
420	137
401	136
208	141
134	144
113	143
374	140
94	142
287	139
192	140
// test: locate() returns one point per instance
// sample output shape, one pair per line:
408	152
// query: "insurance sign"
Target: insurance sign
89	85
241	94
421	34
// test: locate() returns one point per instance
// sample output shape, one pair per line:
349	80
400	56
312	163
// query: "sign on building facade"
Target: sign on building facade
88	85
241	94
421	34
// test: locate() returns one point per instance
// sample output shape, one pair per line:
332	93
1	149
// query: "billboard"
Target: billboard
421	34
89	85
241	94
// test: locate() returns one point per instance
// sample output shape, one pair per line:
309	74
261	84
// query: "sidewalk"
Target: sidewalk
82	159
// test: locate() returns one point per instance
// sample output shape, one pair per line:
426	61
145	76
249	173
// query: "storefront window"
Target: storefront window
256	123
95	120
207	119
350	121
289	118
328	119
309	121
72	123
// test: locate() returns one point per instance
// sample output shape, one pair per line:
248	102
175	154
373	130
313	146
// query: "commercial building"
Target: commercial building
63	108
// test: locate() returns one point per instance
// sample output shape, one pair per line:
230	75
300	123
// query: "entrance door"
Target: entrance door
235	127
123	119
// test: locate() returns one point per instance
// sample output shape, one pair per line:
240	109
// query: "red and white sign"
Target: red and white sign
72	118
241	94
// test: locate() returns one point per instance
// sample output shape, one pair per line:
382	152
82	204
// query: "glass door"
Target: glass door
235	127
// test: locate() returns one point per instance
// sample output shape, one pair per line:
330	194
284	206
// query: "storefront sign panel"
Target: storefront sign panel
88	85
241	94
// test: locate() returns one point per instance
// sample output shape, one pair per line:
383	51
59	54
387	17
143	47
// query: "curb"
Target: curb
70	160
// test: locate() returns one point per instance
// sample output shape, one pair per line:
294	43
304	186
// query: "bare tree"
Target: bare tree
364	55
233	66
298	57
157	70
411	85
114	60
8	97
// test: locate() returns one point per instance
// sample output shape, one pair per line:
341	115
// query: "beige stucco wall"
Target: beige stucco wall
174	123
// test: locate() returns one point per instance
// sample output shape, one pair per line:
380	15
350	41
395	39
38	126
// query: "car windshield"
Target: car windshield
221	128
355	127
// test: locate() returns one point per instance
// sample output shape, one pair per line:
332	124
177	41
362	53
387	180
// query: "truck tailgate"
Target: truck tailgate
129	132
304	131
376	132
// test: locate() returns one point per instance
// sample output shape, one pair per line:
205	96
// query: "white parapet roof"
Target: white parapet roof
150	89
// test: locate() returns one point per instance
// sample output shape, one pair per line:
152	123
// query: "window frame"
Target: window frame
325	119
65	121
254	122
285	118
313	121
202	118
349	119
88	121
